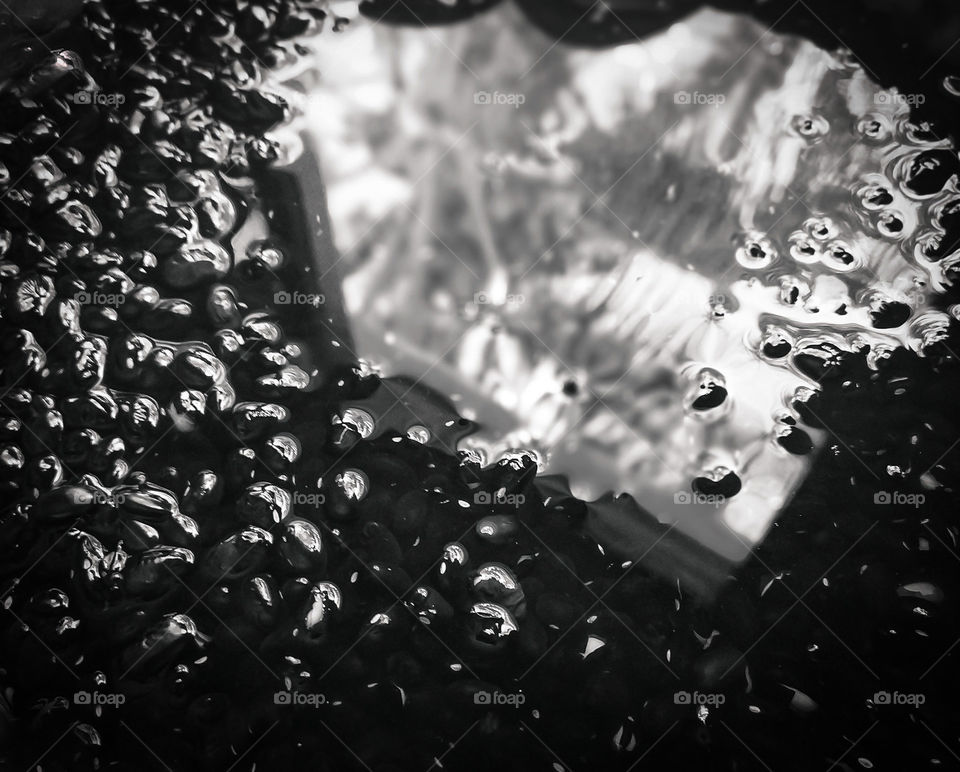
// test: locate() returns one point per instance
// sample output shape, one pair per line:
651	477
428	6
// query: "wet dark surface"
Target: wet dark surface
207	564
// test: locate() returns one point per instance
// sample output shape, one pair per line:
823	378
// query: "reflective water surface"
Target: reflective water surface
633	263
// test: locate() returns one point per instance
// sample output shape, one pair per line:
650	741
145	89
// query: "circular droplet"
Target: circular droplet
496	528
875	197
804	250
419	433
454	559
820	228
810	127
756	251
890	224
776	343
875	127
839	256
353	483
359	419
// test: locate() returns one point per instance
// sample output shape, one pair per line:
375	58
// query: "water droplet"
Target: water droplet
931	327
793	289
810	127
794	440
709	391
926	173
360	419
820	228
496	528
839	257
803	249
756	251
719	481
419	433
875	196
887	313
875	127
354	483
776	343
520	456
890	224
951	84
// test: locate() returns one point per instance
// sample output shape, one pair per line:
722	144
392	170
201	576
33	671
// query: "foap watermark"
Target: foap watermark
513	699
108	98
499	498
105	499
698	98
894	98
100	298
711	699
99	699
309	499
716	500
284	298
912	699
484	299
510	99
299	699
897	498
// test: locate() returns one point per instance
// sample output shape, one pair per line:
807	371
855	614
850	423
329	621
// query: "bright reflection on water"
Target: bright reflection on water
615	259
